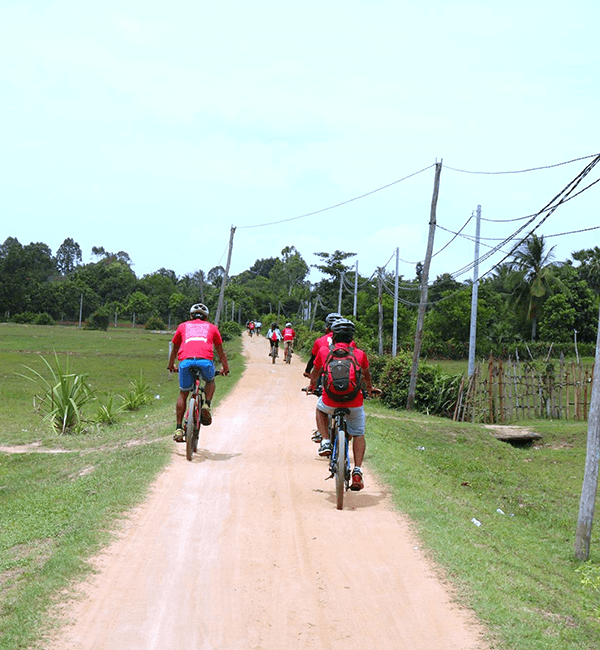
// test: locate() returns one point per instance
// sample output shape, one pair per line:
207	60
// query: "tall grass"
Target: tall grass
63	397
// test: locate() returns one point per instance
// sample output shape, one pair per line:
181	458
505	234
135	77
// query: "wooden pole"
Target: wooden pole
225	276
424	280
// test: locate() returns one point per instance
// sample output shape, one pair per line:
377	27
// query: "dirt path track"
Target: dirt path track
230	552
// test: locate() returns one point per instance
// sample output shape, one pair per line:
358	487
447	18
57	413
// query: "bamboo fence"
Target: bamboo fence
507	391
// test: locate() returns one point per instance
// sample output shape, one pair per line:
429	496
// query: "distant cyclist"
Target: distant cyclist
343	333
289	336
193	344
257	326
274	335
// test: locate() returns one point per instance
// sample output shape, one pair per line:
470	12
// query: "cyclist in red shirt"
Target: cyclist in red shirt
193	344
289	335
343	333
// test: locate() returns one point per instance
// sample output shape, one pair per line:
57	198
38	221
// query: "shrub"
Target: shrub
230	329
98	320
24	317
108	410
63	397
44	319
155	323
435	393
138	396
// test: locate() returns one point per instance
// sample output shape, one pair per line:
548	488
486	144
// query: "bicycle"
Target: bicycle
339	461
274	353
192	418
288	354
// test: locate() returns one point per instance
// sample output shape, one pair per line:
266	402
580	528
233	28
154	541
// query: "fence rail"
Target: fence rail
507	391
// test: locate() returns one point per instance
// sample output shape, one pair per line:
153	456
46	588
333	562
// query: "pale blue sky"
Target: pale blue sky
153	127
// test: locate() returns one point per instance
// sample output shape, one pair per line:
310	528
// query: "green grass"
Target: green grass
58	509
517	570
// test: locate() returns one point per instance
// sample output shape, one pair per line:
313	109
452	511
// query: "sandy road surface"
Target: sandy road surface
243	548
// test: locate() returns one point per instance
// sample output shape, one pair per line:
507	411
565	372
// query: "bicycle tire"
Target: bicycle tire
189	430
340	467
197	426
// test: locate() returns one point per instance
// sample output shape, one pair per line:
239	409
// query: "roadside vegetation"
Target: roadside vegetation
62	499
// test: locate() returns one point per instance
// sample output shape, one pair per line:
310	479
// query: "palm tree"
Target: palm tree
533	275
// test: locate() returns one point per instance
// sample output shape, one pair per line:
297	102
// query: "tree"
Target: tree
589	269
533	275
215	276
68	256
139	305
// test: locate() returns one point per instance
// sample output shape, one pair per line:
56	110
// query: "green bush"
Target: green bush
24	317
230	329
435	394
155	323
98	320
44	319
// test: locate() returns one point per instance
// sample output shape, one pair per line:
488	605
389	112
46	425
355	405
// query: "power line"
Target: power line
337	205
523	171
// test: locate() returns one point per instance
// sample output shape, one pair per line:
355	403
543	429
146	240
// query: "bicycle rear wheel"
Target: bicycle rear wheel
340	467
189	430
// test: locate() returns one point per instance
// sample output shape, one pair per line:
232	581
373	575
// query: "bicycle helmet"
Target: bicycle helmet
199	311
331	318
288	324
343	330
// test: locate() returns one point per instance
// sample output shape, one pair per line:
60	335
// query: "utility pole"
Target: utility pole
355	288
395	328
340	296
590	476
424	280
380	310
474	295
225	276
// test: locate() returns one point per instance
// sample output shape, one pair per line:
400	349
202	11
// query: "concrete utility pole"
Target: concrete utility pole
225	276
380	310
340	296
424	280
395	328
473	331
590	476
355	288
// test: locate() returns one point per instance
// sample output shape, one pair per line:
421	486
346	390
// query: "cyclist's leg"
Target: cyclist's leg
355	423
186	383
207	372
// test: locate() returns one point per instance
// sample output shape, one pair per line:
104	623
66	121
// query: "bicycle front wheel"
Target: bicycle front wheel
340	467
189	430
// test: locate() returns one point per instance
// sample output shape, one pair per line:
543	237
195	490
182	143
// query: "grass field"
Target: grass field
57	509
516	570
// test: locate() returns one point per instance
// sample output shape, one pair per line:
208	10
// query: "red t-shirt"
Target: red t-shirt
325	341
363	362
196	339
288	334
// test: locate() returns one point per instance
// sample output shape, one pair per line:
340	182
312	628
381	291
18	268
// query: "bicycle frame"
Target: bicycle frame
339	461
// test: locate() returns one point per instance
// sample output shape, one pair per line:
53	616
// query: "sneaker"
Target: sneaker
179	435
357	480
205	416
325	448
316	437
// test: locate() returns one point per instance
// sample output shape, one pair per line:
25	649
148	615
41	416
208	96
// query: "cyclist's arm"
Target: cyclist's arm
222	359
309	365
173	357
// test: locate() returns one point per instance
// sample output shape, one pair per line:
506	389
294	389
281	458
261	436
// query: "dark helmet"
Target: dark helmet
199	311
331	318
343	330
274	326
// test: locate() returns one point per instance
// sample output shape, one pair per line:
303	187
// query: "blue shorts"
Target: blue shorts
186	378
355	420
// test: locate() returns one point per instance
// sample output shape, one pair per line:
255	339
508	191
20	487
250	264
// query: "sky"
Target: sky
155	127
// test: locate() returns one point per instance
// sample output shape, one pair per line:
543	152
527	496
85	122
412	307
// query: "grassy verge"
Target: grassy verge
516	569
58	509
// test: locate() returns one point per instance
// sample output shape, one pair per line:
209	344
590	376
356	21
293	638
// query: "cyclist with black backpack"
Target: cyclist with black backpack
343	369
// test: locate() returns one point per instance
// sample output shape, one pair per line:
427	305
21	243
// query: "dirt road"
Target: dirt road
244	549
